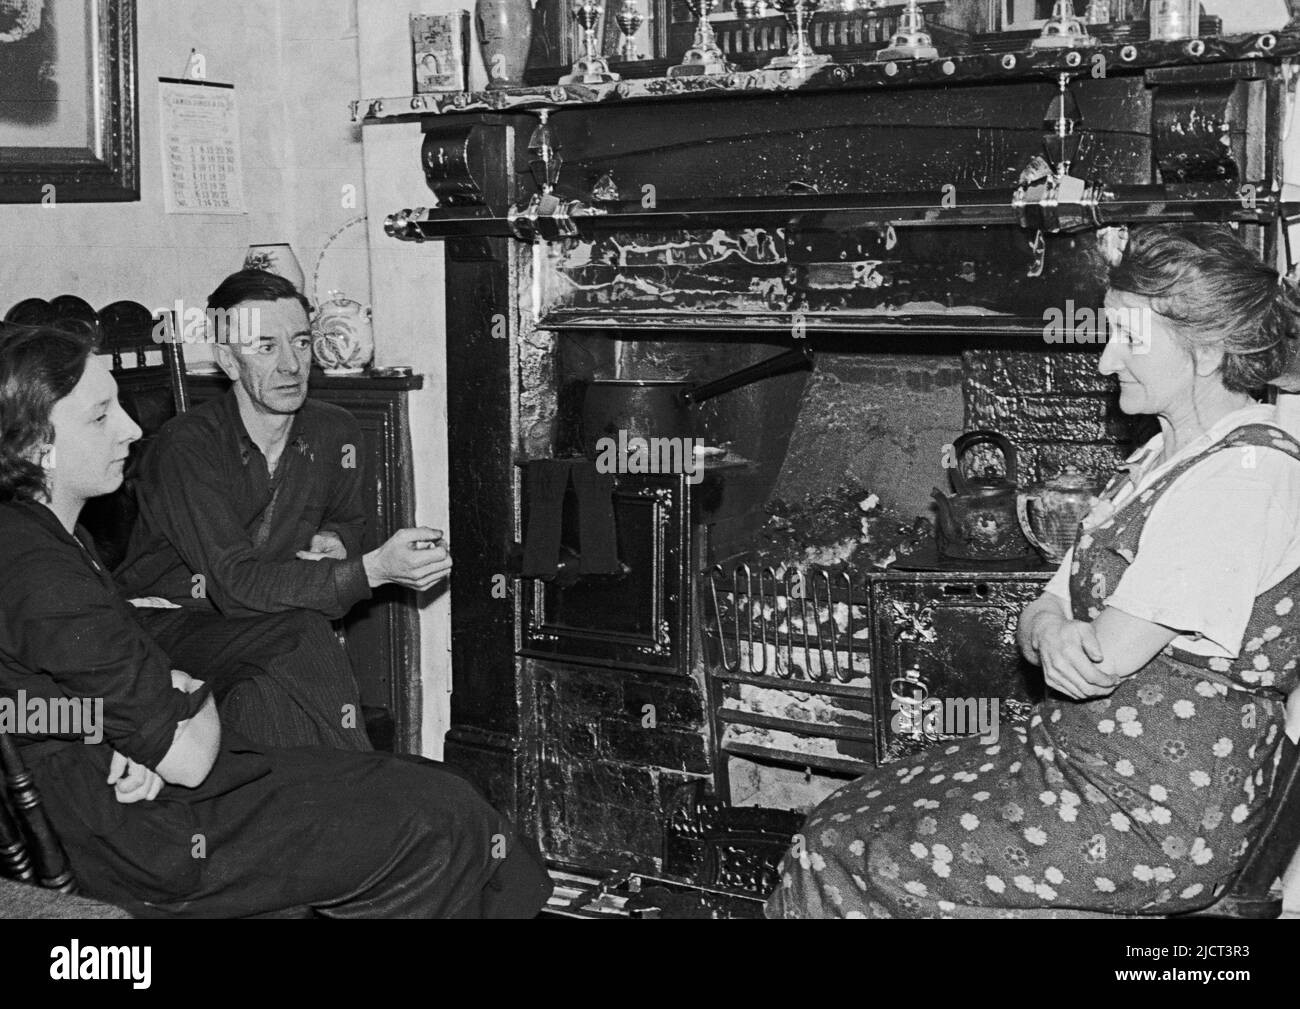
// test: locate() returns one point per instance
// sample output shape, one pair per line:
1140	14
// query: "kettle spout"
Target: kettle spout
946	523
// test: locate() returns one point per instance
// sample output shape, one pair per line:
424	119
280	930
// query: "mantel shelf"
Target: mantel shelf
968	324
982	67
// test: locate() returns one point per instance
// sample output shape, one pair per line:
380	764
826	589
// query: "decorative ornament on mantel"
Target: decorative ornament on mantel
705	55
629	20
911	41
277	258
590	67
1174	19
1064	30
505	33
800	55
343	339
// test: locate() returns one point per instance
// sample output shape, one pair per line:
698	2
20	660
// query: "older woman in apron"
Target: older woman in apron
1167	638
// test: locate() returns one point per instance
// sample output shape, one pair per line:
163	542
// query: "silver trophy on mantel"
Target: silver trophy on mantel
911	41
629	20
590	67
1064	30
800	55
704	56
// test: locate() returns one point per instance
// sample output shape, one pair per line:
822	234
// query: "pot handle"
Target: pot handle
969	440
790	360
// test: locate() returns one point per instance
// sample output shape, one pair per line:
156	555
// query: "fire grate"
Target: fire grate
820	670
789	666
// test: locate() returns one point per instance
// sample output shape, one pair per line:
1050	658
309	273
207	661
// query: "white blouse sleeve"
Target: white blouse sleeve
1217	538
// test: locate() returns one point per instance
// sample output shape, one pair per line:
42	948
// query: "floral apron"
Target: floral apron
1142	802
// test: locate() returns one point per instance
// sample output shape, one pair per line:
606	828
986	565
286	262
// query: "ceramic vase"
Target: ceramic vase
505	34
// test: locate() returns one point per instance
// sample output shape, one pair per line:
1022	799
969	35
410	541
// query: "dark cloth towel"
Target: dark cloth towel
596	529
547	481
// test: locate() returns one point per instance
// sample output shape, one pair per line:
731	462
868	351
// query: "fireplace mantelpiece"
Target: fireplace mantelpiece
1006	65
853	181
562	746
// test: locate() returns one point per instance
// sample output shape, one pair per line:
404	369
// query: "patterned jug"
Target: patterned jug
343	341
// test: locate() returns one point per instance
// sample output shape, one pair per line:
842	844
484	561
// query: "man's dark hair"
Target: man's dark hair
255	285
39	365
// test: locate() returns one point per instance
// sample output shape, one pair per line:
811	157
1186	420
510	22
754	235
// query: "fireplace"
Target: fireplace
769	624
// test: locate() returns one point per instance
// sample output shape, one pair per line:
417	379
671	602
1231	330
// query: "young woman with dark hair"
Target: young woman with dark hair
1167	638
169	815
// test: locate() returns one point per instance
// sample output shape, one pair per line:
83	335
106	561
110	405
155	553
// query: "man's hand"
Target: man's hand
1070	654
416	558
324	546
132	782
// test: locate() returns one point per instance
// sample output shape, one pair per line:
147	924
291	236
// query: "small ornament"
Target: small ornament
1063	30
629	21
343	339
911	41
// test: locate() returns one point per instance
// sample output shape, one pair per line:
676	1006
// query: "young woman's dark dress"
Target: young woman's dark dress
348	834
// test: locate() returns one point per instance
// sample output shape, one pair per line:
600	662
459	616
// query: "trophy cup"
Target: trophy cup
629	20
1097	12
800	55
1063	30
590	67
911	41
704	56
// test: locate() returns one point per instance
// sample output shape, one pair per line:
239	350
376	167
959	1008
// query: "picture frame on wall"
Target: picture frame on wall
69	118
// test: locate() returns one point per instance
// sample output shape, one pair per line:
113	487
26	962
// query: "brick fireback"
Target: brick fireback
1053	405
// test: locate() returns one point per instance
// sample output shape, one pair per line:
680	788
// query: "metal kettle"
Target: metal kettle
979	521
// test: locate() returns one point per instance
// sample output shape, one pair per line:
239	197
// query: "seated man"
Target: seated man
167	814
250	526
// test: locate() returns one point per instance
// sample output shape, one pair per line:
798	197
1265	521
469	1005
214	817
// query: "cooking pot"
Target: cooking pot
661	408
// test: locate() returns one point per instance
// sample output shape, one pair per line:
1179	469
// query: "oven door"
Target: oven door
635	620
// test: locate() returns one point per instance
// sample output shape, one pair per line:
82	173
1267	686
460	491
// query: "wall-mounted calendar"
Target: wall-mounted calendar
199	131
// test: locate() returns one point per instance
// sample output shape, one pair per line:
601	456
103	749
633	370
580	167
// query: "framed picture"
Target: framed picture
68	112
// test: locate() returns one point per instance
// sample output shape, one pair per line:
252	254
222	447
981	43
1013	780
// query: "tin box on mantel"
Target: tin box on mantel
440	51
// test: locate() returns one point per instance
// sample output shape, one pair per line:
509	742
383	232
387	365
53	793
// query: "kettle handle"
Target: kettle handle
972	438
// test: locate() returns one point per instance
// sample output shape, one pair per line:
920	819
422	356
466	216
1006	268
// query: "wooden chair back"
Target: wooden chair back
30	851
153	388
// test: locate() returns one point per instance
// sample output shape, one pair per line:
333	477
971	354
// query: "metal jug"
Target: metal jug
1050	512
